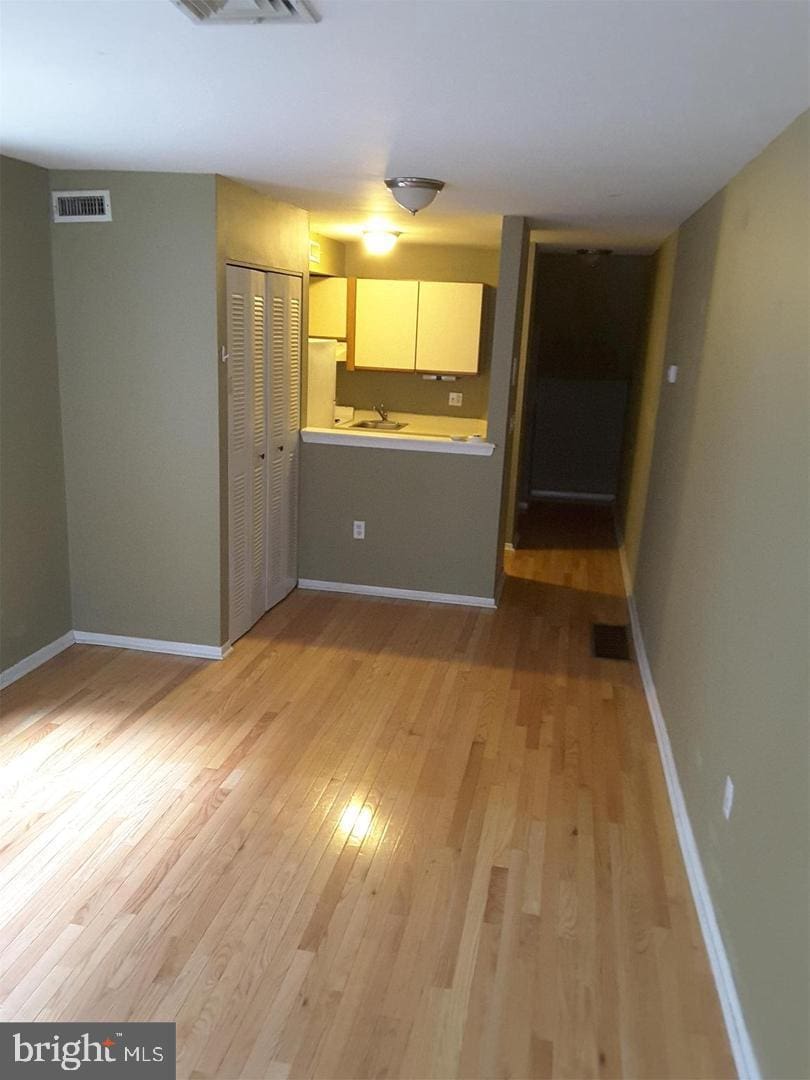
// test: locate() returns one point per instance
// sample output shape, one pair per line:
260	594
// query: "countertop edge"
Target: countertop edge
378	441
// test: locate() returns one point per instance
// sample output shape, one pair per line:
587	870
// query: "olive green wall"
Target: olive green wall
432	520
34	579
514	479
405	391
428	519
506	359
722	578
137	333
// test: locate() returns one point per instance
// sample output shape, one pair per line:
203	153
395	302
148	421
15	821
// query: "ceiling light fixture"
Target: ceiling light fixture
414	193
592	256
380	241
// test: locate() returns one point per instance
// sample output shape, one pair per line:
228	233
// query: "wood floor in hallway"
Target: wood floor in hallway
380	839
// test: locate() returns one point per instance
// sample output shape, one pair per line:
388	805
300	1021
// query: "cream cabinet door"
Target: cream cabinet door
328	307
448	337
385	324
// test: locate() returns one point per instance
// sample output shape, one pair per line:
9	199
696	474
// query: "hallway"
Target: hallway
381	838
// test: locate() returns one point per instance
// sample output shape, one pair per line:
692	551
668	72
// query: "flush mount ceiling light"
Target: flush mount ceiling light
414	193
379	241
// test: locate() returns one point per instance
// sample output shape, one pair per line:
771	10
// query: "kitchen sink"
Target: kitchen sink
379	425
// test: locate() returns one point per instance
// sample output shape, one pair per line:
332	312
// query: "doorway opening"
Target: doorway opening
586	339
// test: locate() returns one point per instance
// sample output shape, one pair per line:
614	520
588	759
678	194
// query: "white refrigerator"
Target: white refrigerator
321	382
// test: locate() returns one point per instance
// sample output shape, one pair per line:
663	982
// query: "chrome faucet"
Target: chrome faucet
381	411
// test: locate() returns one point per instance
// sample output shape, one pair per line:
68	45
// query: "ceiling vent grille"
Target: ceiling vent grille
235	12
81	206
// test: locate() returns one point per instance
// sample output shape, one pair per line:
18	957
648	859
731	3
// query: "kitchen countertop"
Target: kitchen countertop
433	434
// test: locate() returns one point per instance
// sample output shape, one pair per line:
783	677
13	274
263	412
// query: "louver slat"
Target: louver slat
229	12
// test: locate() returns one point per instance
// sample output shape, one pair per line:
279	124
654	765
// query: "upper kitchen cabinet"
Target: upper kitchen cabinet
428	326
329	304
448	335
385	324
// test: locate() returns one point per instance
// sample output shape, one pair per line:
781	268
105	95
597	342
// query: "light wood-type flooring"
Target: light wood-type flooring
380	839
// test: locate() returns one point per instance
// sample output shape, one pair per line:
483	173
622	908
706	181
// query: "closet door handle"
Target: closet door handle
280	448
261	456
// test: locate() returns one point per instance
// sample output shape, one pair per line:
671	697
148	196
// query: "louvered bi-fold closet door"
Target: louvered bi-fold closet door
284	376
247	447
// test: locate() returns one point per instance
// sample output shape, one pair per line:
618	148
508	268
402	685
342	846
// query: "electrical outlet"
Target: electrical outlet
454	398
672	373
728	798
359	530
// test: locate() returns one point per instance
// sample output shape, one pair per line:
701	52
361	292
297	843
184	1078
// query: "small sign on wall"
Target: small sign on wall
314	252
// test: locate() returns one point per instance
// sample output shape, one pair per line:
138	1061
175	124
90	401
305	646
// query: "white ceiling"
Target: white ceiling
606	122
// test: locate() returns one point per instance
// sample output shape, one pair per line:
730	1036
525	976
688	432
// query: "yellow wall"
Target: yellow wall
333	256
636	482
425	262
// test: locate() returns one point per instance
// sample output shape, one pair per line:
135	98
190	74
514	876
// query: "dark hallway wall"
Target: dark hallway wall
588	334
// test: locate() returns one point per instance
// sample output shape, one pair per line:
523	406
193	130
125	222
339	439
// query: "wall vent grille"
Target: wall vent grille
255	12
81	206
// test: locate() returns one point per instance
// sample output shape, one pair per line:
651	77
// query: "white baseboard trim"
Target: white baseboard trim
36	659
739	1039
397	594
174	648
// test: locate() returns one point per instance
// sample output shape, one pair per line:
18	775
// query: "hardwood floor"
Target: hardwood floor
380	839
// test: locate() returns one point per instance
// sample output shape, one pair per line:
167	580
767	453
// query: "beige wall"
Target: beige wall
432	520
136	326
252	230
644	407
34	580
722	577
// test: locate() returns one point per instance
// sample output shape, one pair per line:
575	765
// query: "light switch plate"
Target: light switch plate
454	398
672	373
